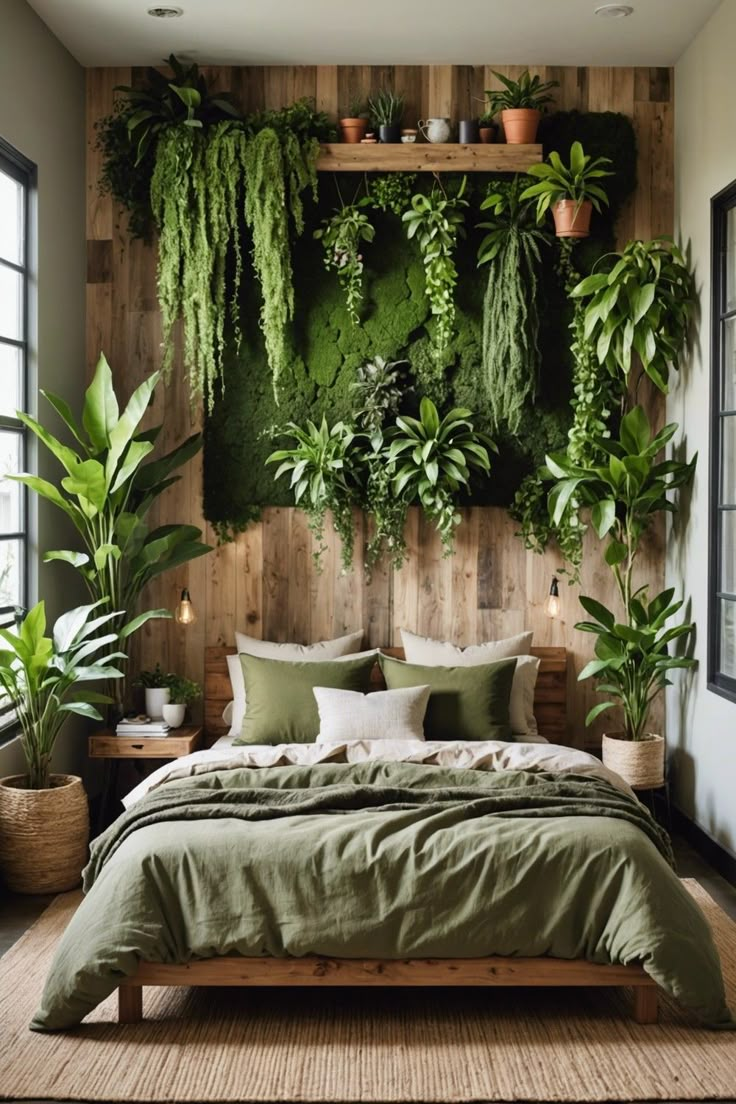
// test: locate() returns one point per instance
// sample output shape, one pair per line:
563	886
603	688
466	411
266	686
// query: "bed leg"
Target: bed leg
130	1004
645	1004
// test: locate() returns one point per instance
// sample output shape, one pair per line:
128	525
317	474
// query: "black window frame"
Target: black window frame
721	203
15	165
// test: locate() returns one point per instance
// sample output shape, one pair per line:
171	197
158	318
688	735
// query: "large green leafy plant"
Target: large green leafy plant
44	678
436	221
110	484
577	181
511	250
622	496
531	93
640	306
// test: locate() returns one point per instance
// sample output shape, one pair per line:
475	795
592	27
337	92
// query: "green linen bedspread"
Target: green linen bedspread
382	860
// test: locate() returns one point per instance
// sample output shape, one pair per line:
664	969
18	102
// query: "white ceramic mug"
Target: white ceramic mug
435	130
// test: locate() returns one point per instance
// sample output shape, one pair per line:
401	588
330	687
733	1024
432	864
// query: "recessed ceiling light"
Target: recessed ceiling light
165	13
614	11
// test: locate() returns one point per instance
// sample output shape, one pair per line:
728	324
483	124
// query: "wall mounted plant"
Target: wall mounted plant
511	250
435	222
341	236
569	191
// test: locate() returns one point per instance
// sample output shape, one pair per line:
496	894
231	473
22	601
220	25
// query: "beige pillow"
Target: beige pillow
383	715
269	649
440	653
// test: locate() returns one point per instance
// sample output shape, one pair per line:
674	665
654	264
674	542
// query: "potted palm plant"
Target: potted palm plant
632	655
386	111
521	103
44	820
570	190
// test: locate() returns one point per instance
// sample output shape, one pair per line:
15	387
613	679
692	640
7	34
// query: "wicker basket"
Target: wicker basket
639	762
44	834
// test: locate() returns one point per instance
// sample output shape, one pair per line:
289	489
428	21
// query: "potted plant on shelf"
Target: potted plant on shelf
44	819
355	124
521	104
633	656
157	687
570	190
386	112
182	693
488	128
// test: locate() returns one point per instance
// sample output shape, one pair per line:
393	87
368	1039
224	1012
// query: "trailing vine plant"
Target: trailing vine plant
341	235
437	221
511	358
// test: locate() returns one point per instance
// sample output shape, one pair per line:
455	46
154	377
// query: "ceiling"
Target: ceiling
329	32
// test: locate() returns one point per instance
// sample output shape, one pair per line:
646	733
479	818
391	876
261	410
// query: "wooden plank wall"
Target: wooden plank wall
264	583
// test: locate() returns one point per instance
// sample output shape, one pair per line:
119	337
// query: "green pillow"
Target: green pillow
280	704
465	703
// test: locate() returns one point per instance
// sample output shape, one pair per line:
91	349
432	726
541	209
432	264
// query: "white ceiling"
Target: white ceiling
376	32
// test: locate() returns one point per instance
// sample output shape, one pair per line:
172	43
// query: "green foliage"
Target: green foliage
196	194
576	181
156	679
320	467
526	92
107	493
511	358
433	458
436	221
184	691
41	676
622	496
391	192
341	236
642	307
379	392
386	108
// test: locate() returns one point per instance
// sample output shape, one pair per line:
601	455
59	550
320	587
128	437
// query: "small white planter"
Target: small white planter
155	702
174	715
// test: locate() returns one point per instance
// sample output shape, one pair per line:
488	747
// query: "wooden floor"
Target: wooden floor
18	913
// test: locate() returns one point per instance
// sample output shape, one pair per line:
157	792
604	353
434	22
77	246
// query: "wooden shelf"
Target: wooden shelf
427	157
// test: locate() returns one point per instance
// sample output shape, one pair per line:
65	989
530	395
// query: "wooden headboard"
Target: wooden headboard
550	698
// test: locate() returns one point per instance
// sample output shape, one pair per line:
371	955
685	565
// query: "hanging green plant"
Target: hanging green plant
321	478
266	214
196	195
391	191
341	236
436	221
511	358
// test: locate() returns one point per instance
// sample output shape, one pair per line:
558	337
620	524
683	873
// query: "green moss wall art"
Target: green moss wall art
272	334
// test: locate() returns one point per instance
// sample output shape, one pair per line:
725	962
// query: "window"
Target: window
722	529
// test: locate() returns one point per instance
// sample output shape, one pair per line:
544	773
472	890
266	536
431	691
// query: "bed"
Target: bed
331	865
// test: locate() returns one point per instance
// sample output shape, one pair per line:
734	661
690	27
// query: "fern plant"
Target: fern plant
437	221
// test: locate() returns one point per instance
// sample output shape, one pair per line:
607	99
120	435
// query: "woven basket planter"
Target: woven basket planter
639	762
44	834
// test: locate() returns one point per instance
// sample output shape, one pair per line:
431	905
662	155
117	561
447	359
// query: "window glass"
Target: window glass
12	230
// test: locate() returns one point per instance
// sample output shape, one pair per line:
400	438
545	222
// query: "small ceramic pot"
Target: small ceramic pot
468	131
572	220
488	134
174	714
435	130
390	133
353	129
156	699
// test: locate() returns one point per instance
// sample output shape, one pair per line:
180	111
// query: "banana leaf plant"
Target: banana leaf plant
433	458
107	492
45	677
623	496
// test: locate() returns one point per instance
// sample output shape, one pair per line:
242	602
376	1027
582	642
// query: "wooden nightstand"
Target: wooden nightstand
113	749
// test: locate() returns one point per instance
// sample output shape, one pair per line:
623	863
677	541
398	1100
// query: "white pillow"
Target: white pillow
382	715
234	711
310	653
440	653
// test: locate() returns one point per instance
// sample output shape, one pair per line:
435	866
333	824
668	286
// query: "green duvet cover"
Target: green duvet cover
382	860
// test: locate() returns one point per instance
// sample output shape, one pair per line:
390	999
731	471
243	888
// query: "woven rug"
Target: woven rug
350	1045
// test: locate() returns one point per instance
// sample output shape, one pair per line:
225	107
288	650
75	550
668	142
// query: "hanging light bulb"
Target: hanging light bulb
552	605
185	614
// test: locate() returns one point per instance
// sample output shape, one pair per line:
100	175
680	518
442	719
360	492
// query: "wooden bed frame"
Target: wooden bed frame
550	707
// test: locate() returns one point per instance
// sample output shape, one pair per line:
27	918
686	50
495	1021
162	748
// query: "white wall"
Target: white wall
42	114
701	725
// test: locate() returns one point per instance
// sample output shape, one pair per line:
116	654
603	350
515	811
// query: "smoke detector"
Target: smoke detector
165	13
614	11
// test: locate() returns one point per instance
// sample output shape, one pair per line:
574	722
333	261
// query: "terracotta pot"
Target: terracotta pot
639	762
44	834
520	125
488	134
353	129
572	220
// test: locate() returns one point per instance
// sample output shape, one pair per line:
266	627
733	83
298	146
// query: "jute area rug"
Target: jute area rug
350	1045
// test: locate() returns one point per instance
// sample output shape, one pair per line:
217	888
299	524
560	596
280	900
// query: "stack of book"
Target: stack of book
142	726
